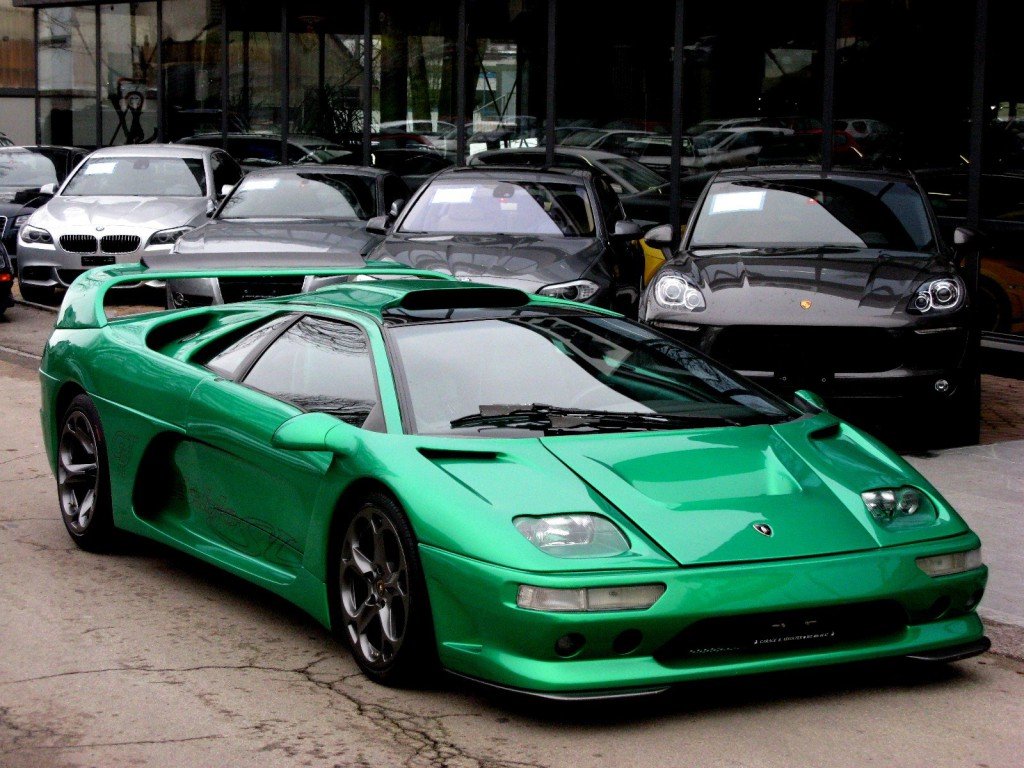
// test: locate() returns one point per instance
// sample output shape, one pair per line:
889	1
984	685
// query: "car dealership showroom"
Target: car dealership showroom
511	383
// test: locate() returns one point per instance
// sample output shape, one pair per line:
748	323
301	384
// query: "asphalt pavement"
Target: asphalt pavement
149	657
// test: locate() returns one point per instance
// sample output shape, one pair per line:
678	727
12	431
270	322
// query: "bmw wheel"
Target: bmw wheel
83	482
381	601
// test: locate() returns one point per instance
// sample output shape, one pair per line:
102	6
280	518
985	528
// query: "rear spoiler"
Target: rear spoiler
83	304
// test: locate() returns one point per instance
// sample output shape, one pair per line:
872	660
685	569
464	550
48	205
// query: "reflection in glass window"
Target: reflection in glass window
226	360
303	195
20	169
507	207
139	176
320	365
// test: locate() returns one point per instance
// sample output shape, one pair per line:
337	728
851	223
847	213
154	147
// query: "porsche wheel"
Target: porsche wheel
83	483
382	606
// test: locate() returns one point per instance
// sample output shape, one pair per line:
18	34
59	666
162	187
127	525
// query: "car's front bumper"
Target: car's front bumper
483	634
50	266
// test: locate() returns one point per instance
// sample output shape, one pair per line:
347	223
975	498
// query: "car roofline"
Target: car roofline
808	170
552	173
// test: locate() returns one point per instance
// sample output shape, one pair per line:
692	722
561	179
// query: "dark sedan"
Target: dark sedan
833	281
554	232
277	214
6	281
28	178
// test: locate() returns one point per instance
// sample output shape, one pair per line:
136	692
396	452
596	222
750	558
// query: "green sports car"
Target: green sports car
533	493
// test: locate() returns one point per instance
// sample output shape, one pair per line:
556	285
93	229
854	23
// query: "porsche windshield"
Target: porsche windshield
138	177
487	206
852	213
307	194
566	374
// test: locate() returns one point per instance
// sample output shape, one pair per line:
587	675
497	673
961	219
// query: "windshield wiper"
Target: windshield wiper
555	419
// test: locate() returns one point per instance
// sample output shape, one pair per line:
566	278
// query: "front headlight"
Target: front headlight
35	235
943	295
896	507
637	597
575	290
573	535
954	562
676	292
167	236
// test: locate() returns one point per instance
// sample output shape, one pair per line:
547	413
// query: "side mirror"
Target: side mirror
48	189
808	402
316	432
226	190
627	229
396	208
378	225
966	238
660	236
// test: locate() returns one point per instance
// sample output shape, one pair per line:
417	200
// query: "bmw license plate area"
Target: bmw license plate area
97	261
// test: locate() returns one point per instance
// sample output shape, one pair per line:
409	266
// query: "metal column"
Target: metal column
549	120
285	81
675	216
828	78
367	80
225	95
460	86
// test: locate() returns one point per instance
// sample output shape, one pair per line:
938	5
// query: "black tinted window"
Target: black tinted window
226	172
320	365
226	355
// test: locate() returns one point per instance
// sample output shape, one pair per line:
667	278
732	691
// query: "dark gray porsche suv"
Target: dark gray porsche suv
555	232
837	282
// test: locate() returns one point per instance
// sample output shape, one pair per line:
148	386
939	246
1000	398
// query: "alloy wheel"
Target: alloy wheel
78	472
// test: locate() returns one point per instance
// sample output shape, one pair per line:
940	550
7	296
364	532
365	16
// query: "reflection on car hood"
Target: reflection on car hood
266	235
699	494
521	261
149	212
280	259
747	287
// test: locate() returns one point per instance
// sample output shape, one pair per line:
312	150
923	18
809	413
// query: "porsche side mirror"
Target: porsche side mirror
965	238
626	229
378	225
808	402
660	236
396	208
316	432
48	189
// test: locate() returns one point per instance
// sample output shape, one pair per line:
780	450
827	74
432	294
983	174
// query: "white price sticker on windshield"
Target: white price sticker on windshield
259	183
95	169
453	195
734	202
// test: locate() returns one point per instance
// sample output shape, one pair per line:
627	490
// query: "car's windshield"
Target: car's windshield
24	170
853	212
582	138
639	177
619	375
139	177
302	195
455	205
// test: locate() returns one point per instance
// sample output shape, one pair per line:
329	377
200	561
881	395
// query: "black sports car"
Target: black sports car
24	173
555	232
837	282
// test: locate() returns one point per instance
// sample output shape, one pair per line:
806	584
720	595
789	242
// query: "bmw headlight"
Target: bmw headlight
167	237
573	535
35	235
899	506
943	295
575	290
676	292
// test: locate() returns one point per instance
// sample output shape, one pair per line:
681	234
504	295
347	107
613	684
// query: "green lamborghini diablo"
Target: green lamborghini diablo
524	491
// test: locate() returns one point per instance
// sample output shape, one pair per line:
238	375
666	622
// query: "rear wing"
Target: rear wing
83	305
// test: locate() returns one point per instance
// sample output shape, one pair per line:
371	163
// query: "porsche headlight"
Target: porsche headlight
943	295
575	290
35	235
167	236
573	535
676	292
896	506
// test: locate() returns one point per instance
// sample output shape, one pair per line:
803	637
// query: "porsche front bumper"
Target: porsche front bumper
892	609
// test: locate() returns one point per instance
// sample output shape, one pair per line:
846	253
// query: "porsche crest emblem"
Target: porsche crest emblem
805	304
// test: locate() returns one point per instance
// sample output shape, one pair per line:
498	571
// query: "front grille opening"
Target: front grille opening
783	631
78	243
785	349
119	243
234	289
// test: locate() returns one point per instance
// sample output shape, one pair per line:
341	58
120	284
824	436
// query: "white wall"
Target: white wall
17	118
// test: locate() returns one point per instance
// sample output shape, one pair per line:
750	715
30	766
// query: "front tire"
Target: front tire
379	600
83	479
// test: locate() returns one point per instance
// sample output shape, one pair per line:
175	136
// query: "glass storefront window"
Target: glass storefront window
67	76
192	69
17	58
129	105
254	56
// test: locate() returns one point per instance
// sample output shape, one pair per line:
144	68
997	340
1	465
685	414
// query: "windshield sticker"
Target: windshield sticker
260	184
509	206
733	202
95	169
453	195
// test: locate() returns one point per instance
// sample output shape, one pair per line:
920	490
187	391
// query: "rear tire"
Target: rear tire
83	479
378	594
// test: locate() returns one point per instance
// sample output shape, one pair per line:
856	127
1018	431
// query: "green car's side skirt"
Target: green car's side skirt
488	637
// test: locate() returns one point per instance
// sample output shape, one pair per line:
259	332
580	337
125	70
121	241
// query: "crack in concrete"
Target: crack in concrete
22	458
140	742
